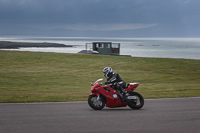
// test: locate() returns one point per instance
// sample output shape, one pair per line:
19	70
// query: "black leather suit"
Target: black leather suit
117	81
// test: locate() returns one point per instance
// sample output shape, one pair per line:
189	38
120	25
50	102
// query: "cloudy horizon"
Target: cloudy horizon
100	17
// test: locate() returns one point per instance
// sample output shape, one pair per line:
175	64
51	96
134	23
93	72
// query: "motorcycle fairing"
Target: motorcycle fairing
112	98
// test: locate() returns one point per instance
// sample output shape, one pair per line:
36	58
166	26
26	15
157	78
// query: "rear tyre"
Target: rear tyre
136	104
96	103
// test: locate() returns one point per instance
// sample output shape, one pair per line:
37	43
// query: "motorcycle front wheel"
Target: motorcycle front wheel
96	103
138	103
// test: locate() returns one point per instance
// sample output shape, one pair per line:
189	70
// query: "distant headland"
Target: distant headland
17	45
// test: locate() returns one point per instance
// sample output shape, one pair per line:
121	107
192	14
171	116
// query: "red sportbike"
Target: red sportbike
105	95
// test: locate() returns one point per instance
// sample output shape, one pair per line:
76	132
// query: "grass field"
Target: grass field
57	77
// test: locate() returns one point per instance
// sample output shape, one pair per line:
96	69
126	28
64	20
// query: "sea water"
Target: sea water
188	48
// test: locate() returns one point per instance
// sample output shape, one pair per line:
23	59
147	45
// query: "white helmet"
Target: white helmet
106	71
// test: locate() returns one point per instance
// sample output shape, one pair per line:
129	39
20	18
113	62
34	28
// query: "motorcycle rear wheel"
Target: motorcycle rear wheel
136	104
95	103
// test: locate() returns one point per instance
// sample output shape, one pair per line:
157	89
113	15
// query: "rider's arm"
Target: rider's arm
113	78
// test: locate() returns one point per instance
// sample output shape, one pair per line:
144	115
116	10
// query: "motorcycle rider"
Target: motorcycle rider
114	79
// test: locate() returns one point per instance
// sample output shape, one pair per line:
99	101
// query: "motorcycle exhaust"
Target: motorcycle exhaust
132	98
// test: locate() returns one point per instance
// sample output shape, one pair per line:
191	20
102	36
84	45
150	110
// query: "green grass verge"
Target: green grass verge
57	77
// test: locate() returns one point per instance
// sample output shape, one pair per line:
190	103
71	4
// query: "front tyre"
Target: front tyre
138	103
95	102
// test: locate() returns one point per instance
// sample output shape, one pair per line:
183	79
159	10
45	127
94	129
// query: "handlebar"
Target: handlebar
107	84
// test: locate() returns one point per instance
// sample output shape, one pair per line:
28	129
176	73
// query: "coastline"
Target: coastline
184	48
17	45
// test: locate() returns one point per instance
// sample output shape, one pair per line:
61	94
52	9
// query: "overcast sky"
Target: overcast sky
99	15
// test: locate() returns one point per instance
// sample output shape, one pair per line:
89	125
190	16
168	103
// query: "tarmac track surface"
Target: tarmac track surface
175	115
